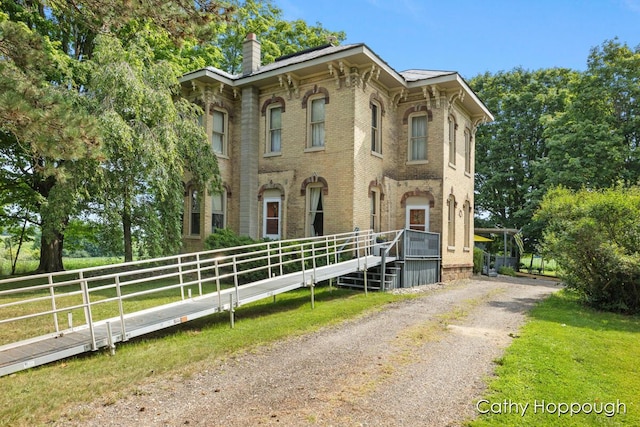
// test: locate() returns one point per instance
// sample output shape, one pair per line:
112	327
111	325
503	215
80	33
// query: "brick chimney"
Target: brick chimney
250	54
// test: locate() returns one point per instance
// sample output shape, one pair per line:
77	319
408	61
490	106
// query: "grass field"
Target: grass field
567	358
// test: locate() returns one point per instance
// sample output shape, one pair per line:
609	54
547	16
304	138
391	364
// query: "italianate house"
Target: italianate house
332	138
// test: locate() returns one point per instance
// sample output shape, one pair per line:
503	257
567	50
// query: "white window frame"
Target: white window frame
311	143
195	208
265	217
451	221
223	133
467	151
272	130
223	211
376	128
467	225
412	138
452	140
375	210
311	188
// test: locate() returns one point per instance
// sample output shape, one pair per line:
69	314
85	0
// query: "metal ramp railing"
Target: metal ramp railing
109	304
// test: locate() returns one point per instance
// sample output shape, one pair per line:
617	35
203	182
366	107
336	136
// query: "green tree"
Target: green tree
278	37
594	141
44	137
150	137
49	143
509	185
595	238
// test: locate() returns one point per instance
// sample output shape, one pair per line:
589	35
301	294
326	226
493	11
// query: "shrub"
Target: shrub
478	260
594	236
507	271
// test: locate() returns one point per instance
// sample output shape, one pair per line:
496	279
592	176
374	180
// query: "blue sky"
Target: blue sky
475	36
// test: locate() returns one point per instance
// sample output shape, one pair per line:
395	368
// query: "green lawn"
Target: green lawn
44	394
566	358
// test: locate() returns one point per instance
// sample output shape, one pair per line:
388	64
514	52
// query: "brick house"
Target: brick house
333	138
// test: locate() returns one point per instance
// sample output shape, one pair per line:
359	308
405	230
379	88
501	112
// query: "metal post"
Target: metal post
199	274
280	256
269	260
218	285
53	304
383	264
365	281
231	311
235	278
121	308
180	277
112	346
70	320
87	310
304	281
313	295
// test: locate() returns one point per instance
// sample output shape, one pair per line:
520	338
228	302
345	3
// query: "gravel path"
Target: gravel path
419	362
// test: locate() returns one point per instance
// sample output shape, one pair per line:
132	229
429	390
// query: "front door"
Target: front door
418	218
271	222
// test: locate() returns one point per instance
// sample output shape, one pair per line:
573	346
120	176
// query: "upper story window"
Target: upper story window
316	122
467	150
274	126
376	136
418	137
452	140
219	132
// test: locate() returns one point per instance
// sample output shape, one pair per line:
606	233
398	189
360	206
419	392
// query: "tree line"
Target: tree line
556	127
91	122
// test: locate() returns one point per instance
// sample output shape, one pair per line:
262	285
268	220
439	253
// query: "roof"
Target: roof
316	60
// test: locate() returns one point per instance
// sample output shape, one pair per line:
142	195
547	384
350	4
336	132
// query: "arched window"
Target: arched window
467	224
452	139
218	210
376	127
194	212
451	221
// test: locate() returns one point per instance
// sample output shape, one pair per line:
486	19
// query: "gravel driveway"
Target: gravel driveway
416	363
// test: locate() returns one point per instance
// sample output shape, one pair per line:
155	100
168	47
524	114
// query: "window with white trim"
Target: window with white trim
451	221
376	135
315	210
467	224
194	212
375	210
316	122
418	137
452	140
219	132
467	150
218	204
274	129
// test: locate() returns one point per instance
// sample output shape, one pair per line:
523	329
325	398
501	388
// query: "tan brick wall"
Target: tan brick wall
348	165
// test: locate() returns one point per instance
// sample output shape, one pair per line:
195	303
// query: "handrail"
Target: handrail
205	272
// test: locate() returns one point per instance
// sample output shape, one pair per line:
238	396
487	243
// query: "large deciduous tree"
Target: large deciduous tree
48	141
151	136
46	136
595	141
509	185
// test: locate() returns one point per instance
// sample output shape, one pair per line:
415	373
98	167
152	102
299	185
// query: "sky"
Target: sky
475	36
